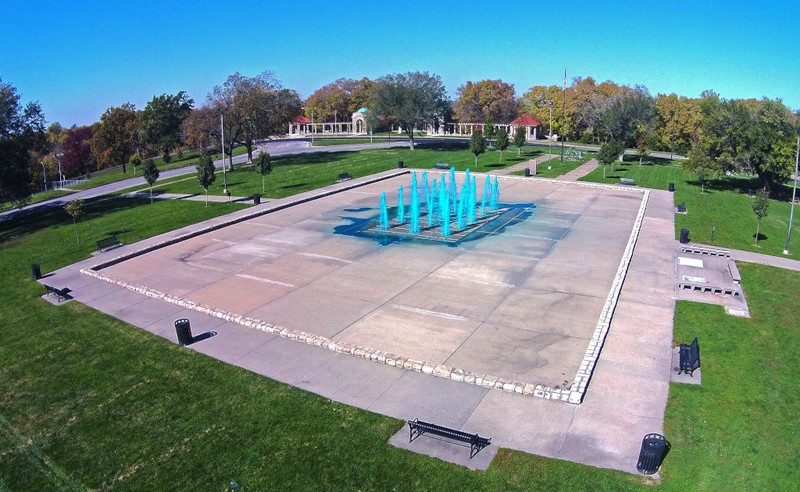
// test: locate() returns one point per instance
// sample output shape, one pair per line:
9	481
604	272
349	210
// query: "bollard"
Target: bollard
684	236
36	271
654	450
527	172
256	199
400	165
672	187
184	331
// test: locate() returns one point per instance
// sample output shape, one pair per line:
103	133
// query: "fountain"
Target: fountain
401	206
383	223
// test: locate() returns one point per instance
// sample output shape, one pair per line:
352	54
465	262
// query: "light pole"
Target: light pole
222	144
794	193
313	128
60	176
44	176
550	137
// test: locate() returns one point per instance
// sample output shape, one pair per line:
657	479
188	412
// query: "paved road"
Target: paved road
275	148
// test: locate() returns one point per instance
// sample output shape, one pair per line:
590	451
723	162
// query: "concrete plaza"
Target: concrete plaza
521	305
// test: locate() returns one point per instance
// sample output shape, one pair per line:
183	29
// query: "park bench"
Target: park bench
344	177
627	181
417	427
689	356
108	243
441	165
61	294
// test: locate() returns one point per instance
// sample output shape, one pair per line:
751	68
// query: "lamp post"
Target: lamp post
794	193
313	128
222	144
44	176
60	176
550	137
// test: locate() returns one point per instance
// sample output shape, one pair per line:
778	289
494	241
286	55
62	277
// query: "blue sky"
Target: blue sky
79	58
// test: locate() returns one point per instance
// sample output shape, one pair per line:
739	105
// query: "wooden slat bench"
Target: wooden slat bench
417	427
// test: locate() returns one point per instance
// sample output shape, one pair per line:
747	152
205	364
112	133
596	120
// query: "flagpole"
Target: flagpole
564	116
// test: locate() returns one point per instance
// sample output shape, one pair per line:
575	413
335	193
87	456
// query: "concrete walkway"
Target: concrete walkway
522	165
750	257
197	197
580	171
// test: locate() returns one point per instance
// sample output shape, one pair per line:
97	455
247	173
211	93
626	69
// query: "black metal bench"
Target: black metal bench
417	427
108	243
345	177
627	181
61	294
689	356
441	165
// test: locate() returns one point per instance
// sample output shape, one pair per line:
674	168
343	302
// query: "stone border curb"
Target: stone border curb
572	395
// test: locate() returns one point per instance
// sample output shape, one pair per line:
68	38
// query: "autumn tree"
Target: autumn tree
339	99
160	122
116	137
477	145
410	99
486	99
201	128
678	121
22	133
77	158
502	142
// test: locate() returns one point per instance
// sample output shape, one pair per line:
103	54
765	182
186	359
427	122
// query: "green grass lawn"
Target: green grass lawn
39	197
90	402
323	142
723	203
557	168
295	174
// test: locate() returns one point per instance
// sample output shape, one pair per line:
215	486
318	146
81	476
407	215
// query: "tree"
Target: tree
701	164
339	99
502	142
160	122
134	161
409	100
116	137
477	145
253	108
263	166
22	132
201	128
205	173
760	208
77	159
150	172
520	138
488	130
626	112
75	210
678	121
478	101
609	152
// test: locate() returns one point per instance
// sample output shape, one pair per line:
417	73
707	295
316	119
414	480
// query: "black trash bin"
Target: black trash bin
400	165
36	271
684	236
654	450
256	199
184	331
672	187
527	172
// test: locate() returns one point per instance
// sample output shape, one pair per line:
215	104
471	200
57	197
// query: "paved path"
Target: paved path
750	257
580	171
522	165
197	197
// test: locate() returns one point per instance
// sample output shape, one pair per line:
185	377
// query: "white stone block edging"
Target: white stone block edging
584	375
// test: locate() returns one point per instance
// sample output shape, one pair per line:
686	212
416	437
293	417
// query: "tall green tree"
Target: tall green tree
116	137
520	138
205	173
263	166
609	152
626	112
700	164
339	99
151	173
488	130
502	142
477	145
161	120
410	99
760	208
75	210
22	133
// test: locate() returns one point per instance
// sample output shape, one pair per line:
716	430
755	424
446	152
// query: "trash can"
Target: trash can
527	172
256	199
654	450
684	236
400	165
672	187
36	271
184	331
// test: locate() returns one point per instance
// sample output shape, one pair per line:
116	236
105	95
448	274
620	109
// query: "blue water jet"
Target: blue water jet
401	206
444	209
384	217
414	219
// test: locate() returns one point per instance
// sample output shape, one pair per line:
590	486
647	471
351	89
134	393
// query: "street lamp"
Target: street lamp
794	193
313	128
60	176
44	176
550	137
222	144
